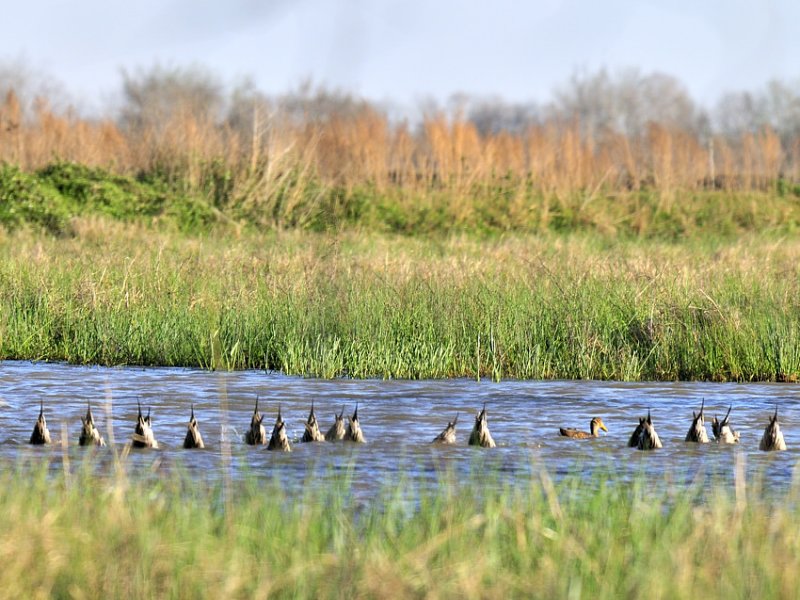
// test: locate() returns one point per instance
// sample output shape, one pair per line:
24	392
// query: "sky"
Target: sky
405	51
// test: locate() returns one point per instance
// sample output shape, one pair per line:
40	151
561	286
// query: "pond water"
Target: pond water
399	420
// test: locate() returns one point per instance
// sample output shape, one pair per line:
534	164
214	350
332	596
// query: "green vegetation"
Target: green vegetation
364	305
74	535
47	200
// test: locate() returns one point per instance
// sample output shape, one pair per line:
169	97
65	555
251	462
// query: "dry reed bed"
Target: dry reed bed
365	149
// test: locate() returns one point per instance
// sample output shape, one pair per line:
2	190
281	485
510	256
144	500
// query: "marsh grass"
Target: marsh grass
90	536
49	198
380	306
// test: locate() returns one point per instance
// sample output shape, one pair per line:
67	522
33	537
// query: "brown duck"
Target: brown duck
354	433
648	438
90	436
448	436
722	430
40	435
697	431
279	440
773	437
256	435
312	432
633	442
143	434
337	430
480	435
193	438
595	425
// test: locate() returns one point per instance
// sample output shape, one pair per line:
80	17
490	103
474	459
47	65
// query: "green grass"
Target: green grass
84	536
295	198
380	306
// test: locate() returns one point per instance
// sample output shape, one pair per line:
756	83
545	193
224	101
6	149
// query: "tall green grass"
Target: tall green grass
363	305
86	537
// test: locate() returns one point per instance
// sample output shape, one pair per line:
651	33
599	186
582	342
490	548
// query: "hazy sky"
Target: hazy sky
405	50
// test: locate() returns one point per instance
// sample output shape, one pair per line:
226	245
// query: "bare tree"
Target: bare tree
320	104
737	113
626	103
29	85
493	115
158	95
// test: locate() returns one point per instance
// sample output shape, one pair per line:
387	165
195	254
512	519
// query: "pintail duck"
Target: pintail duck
648	438
40	435
90	436
279	440
722	430
595	425
773	438
354	433
337	431
633	442
312	432
448	436
143	435
256	435
193	438
697	432
480	435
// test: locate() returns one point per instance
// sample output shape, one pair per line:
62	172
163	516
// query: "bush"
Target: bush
24	199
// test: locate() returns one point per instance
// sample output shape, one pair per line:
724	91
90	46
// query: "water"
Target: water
399	419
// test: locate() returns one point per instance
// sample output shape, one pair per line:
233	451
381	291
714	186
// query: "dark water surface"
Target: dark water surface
399	419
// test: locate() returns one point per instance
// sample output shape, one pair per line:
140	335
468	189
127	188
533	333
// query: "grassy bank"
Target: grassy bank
49	198
83	537
365	305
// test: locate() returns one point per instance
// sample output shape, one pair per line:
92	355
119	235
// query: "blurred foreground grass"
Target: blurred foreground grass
74	535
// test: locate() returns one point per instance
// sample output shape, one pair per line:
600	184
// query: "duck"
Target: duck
143	436
279	440
448	436
633	441
256	435
595	425
90	436
312	432
193	438
480	435
40	435
697	432
337	430
648	439
773	438
722	430
354	433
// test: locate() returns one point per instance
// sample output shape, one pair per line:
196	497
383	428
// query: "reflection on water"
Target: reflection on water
399	419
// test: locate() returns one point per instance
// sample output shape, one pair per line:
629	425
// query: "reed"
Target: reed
125	535
357	167
381	306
